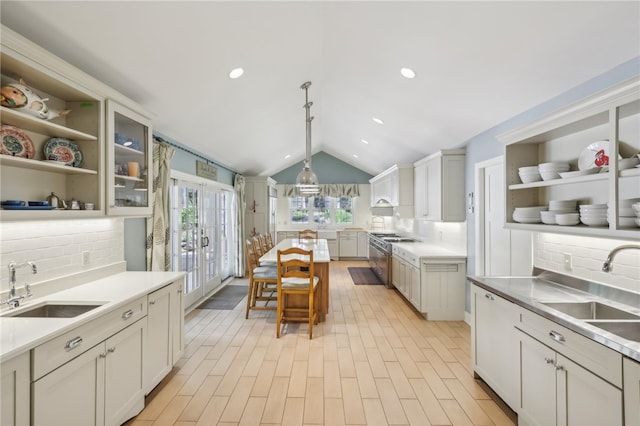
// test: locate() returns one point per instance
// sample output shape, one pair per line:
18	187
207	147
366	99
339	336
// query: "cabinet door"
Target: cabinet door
363	244
453	199
395	273
129	171
433	193
177	320
493	321
124	378
538	387
631	391
159	354
15	392
348	244
584	398
443	290
73	394
420	190
413	282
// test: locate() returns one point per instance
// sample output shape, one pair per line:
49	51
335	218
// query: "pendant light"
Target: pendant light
307	181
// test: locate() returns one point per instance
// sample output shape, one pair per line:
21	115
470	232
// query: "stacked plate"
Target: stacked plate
529	174
528	214
557	207
550	171
593	214
626	214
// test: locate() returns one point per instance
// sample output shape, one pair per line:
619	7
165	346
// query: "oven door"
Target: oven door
379	262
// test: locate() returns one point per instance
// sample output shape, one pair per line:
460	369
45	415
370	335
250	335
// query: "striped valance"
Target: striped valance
327	190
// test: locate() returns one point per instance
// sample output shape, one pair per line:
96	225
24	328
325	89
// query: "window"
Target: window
322	210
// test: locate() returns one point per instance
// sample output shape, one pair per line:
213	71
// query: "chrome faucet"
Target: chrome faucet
14	299
606	267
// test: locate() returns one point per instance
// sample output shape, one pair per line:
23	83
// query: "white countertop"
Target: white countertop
18	335
431	250
320	249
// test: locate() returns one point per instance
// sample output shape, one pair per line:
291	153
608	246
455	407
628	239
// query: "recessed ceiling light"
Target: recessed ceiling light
287	156
236	72
355	155
377	120
364	141
407	72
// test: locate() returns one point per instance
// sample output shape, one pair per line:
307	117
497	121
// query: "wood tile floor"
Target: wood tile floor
374	361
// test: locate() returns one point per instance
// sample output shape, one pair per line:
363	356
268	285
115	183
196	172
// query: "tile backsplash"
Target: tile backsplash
57	247
587	256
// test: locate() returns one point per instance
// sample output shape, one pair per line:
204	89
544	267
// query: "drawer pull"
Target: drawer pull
127	314
559	367
103	355
73	343
556	336
111	350
152	302
489	296
548	360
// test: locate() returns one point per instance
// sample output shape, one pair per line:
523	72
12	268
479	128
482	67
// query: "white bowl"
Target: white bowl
562	204
530	178
568	219
628	163
549	175
593	221
561	211
528	169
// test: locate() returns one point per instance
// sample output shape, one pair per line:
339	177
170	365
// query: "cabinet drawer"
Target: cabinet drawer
593	356
61	349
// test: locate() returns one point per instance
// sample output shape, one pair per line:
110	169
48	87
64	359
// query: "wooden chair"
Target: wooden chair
260	247
262	283
269	241
293	280
308	234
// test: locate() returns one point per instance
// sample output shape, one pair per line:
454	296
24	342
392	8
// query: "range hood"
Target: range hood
382	208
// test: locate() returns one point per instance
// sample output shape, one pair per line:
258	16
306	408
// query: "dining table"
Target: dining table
321	261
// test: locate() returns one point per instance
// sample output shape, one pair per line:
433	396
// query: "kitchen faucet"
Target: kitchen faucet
14	299
606	267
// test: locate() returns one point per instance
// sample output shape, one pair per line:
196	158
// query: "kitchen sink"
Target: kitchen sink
629	330
591	311
53	310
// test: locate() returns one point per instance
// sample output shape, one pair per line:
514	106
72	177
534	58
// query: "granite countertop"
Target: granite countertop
530	292
18	335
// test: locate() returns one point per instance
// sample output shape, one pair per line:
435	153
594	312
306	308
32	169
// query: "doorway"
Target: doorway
202	215
500	251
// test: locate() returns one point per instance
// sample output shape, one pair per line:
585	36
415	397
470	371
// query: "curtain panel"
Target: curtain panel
327	190
158	225
240	264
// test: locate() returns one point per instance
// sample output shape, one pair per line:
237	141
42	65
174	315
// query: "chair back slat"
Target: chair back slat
307	234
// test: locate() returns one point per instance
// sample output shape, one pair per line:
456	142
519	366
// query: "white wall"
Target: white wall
56	246
588	255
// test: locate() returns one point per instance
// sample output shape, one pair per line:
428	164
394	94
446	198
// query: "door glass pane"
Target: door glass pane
210	235
185	236
130	158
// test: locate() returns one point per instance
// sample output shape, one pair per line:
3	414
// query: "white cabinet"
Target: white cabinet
558	391
405	275
566	378
493	321
334	249
103	385
631	387
439	187
396	186
567	136
15	391
25	172
443	289
261	198
129	172
363	244
165	333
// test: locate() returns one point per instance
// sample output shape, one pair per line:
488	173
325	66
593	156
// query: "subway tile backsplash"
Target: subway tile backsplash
587	256
57	247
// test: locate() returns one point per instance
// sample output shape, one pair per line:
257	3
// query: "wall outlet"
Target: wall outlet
85	257
568	265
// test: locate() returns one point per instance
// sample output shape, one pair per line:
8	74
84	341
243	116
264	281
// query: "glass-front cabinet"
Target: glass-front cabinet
129	172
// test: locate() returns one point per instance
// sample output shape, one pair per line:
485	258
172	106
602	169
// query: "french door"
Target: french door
201	217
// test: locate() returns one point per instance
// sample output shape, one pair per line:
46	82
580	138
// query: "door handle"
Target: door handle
205	241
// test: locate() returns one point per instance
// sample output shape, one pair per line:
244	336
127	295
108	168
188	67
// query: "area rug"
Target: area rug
226	299
362	276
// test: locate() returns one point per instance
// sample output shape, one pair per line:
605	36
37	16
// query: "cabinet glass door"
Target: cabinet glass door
129	166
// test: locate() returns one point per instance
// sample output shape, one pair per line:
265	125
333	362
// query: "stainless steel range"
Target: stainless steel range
380	245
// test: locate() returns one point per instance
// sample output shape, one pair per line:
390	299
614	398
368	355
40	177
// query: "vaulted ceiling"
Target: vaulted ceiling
477	64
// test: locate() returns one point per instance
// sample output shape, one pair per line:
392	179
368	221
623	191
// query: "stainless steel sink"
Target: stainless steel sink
53	310
591	311
629	330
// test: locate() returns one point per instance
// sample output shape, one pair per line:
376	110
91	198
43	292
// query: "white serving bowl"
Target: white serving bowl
528	169
548	217
562	204
549	174
594	221
628	163
568	219
530	178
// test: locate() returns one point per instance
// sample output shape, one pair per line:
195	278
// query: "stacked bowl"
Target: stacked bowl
529	174
626	214
528	214
593	214
555	208
550	171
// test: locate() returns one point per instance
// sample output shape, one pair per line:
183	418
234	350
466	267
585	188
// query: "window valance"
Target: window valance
327	190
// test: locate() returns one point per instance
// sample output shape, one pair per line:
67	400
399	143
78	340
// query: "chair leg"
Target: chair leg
249	296
279	313
311	318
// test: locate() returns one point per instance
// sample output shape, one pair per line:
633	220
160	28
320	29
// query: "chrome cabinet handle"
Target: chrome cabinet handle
548	360
152	302
127	314
111	350
103	355
73	343
489	296
556	336
559	367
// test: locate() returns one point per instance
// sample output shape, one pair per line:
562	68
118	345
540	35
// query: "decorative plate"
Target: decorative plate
64	150
15	142
595	155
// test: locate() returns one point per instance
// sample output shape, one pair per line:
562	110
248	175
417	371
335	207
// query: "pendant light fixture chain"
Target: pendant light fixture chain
307	180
